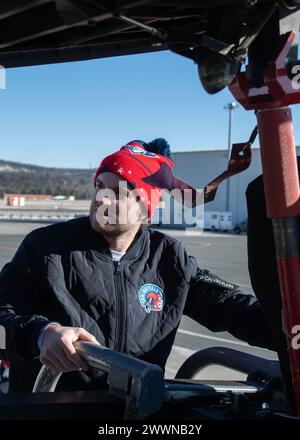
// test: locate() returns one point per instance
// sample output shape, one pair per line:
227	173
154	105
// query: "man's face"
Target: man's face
114	207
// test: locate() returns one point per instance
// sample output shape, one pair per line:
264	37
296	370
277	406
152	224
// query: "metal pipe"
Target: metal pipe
282	192
140	384
230	107
279	163
98	357
227	357
150	29
46	381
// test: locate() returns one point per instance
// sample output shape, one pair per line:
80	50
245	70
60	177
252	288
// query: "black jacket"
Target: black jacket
65	273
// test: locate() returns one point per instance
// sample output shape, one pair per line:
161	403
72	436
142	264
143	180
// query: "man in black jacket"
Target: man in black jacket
112	282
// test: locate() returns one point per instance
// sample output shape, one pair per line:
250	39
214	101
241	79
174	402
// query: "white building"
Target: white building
198	168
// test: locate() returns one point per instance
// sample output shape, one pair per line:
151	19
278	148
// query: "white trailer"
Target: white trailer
217	221
226	221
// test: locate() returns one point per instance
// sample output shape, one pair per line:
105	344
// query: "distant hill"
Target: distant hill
17	177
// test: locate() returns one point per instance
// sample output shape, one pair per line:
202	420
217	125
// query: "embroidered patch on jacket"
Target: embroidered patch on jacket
151	297
138	150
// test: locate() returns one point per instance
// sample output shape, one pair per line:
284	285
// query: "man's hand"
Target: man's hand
57	350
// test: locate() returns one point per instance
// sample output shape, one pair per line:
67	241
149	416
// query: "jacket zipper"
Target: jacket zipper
120	307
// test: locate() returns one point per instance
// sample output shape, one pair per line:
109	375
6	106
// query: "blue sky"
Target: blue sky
73	114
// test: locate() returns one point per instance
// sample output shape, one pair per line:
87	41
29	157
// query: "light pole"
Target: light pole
230	107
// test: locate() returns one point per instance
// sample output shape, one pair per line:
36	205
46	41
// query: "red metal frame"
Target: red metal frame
278	89
281	180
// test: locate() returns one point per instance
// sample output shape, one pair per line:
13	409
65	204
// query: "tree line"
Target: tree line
31	179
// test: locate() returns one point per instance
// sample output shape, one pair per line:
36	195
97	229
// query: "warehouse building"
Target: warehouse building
198	168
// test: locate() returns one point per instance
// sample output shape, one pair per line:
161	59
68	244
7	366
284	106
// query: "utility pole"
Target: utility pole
230	107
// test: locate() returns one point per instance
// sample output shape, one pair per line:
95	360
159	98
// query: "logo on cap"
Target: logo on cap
138	150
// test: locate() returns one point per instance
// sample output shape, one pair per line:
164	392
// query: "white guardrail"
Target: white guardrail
49	218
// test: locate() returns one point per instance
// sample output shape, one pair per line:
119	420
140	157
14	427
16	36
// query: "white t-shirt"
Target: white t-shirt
116	256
